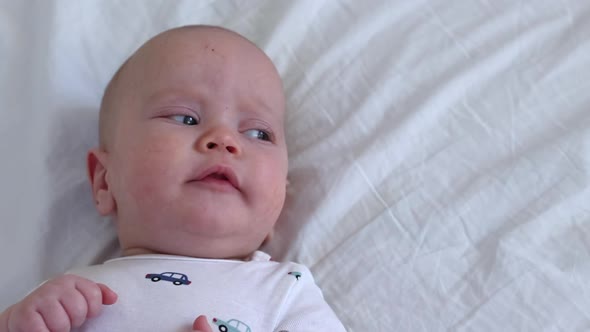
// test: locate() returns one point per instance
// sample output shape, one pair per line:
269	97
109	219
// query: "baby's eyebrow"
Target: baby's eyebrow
258	100
170	96
258	107
251	104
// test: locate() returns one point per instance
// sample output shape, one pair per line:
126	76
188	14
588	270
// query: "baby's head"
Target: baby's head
192	158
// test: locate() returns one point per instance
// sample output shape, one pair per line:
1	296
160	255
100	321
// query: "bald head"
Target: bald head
129	75
187	99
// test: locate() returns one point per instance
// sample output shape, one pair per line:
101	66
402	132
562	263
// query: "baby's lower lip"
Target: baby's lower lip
216	184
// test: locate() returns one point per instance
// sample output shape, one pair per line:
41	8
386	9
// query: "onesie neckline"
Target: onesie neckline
257	256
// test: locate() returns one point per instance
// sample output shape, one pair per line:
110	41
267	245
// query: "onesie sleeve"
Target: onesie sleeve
304	308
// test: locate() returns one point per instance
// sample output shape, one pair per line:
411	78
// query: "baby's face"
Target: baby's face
198	162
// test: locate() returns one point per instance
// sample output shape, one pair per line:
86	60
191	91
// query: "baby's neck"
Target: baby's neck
138	251
144	251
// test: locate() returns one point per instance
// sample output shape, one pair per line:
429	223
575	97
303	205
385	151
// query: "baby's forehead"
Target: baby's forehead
215	56
203	46
158	57
199	39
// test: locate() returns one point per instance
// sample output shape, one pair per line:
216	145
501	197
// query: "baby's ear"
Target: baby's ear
97	174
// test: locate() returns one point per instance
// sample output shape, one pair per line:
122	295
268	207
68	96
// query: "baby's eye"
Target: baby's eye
258	134
185	119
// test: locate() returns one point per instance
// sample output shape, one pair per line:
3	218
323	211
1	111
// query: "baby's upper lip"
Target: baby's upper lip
220	170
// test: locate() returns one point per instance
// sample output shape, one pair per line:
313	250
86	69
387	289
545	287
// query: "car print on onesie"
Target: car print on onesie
232	325
174	277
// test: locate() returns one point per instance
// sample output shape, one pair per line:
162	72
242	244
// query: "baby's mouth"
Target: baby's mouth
220	177
217	178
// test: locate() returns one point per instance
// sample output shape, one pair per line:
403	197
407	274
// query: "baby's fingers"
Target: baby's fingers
56	318
76	307
95	295
108	296
26	321
200	324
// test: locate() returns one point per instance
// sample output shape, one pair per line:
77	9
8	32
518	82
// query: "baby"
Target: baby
192	166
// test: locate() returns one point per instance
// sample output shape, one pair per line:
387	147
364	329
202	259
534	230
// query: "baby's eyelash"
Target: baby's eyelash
185	119
260	134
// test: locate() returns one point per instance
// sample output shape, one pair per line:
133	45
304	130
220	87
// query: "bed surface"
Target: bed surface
439	150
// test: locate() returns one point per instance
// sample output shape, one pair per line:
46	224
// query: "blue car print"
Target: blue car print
232	325
174	277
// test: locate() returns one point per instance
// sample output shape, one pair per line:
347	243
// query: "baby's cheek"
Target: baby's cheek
149	174
272	184
274	200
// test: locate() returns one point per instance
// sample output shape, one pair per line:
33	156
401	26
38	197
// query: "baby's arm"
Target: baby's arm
59	304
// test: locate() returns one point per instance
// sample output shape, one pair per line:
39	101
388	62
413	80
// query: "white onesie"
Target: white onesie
166	293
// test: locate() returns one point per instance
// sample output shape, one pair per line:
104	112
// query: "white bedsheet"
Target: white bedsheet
439	150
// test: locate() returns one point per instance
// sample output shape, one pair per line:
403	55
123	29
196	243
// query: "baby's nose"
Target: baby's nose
219	139
214	145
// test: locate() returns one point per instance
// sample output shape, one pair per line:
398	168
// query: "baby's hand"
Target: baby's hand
58	305
201	325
